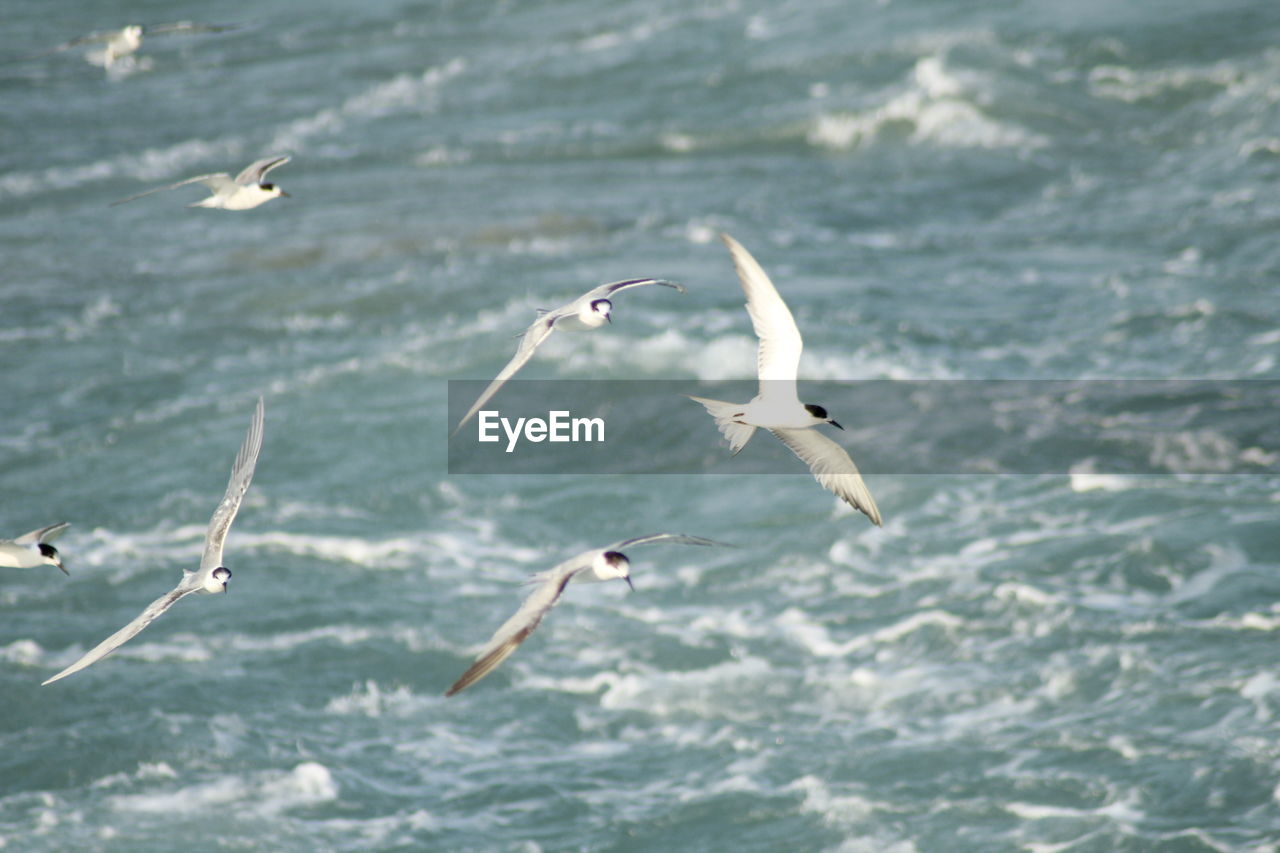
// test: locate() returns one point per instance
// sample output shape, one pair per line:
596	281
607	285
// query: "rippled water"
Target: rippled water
1033	190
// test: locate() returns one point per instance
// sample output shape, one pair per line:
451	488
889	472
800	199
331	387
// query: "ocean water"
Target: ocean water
1066	661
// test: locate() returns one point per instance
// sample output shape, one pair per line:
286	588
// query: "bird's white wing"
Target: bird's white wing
188	28
533	337
257	170
832	467
604	291
128	632
214	181
89	38
516	629
778	357
44	534
674	538
241	474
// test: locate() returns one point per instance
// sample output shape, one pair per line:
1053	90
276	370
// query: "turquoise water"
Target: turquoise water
1033	190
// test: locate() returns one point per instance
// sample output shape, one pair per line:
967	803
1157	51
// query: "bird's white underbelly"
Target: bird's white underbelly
576	323
242	200
769	413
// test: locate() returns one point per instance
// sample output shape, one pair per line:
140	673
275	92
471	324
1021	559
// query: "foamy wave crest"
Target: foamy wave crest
346	635
370	700
939	108
1120	83
154	164
814	638
419	92
146	771
266	793
129	553
1084	478
22	652
834	808
726	690
405	91
1123	811
399	552
673	353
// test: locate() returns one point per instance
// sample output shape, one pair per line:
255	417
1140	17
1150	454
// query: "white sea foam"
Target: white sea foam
738	623
401	93
195	647
1123	810
673	353
404	92
146	772
1225	560
265	793
937	104
1024	594
1085	479
397	552
91	317
1202	451
719	691
836	809
850	811
372	701
23	652
153	164
1118	82
280	641
130	553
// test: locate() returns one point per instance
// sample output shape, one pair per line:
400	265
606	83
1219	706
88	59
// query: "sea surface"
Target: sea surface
1072	660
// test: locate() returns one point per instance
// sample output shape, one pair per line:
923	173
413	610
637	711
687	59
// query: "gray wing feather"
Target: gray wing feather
538	332
128	632
606	290
213	181
833	468
673	538
241	474
257	170
517	629
89	38
188	27
44	534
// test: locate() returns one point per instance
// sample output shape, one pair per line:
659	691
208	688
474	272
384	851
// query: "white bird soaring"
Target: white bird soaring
777	407
120	45
33	549
599	564
591	310
248	190
212	576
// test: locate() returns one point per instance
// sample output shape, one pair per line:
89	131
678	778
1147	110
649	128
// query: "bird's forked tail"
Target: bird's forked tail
726	414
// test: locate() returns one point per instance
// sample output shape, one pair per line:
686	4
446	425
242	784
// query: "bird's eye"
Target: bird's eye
816	411
267	187
47	550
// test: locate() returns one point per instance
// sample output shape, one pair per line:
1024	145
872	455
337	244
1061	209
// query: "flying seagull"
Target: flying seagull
599	564
591	310
212	576
247	191
777	407
33	549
